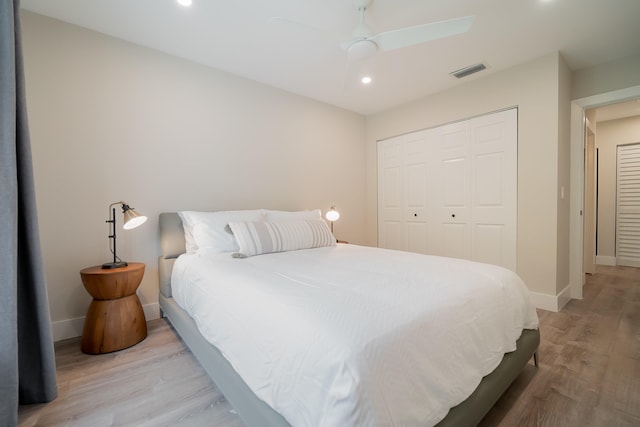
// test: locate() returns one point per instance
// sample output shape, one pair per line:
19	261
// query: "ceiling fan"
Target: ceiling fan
364	43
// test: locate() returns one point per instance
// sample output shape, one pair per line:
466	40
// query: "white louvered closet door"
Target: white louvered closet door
628	206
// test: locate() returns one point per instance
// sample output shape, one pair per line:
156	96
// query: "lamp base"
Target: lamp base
110	265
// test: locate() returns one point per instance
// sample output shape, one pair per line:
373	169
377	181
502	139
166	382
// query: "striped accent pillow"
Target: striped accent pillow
255	238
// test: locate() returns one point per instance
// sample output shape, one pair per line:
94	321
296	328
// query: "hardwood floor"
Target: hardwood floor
157	382
589	373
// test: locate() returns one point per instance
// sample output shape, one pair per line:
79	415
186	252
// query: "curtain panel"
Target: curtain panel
27	363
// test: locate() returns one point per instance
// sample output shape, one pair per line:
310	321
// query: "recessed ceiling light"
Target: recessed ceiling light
366	80
184	2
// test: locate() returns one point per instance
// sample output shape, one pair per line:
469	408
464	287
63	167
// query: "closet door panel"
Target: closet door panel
455	241
489	244
450	147
494	187
415	179
390	194
487	177
417	237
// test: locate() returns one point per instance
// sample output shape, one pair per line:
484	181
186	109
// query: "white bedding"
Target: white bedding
355	336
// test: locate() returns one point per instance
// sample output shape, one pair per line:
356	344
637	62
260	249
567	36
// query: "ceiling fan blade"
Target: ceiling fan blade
410	36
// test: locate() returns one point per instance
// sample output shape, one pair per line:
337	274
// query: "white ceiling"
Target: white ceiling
241	37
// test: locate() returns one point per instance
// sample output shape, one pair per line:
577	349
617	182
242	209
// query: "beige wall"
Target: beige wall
114	121
610	134
108	118
564	177
619	74
534	88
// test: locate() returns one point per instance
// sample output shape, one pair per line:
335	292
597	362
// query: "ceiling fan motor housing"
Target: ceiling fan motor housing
361	49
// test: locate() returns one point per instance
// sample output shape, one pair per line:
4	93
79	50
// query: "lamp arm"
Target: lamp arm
132	219
112	233
116	203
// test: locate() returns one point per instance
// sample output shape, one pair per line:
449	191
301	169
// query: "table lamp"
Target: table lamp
132	219
332	215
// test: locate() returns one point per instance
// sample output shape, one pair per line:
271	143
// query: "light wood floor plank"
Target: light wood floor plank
589	373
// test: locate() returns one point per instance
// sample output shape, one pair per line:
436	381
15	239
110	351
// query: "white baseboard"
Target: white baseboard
564	297
551	302
68	328
606	260
71	328
151	311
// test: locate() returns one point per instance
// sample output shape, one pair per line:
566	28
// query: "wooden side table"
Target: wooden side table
115	319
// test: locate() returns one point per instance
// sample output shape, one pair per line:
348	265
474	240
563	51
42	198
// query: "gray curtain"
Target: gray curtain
27	364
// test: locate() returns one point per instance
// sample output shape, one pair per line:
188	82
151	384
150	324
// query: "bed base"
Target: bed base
255	412
252	410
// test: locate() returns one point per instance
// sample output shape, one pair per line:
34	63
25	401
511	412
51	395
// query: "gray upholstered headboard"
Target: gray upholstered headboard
172	245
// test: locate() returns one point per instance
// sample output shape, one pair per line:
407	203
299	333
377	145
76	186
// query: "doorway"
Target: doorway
578	133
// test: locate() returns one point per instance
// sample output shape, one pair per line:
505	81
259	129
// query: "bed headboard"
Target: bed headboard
172	245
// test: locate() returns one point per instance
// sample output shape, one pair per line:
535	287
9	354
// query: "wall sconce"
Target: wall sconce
132	219
332	215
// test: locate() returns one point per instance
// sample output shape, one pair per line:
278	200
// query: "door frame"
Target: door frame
590	198
577	141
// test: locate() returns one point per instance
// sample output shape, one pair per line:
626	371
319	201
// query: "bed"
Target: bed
253	409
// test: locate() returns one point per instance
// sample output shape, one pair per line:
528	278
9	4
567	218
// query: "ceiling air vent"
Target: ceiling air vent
467	71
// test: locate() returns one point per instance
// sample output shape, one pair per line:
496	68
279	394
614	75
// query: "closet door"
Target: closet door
452	190
391	194
402	193
452	224
494	188
416	195
628	206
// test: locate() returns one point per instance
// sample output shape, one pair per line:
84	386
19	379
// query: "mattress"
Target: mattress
351	335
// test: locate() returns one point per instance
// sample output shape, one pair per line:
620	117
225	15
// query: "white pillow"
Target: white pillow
204	231
274	216
255	238
187	225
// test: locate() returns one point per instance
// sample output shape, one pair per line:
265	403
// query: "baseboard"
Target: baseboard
606	260
68	328
71	328
564	297
551	302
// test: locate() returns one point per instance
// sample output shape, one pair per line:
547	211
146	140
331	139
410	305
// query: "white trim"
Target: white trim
578	107
71	328
564	297
551	302
68	328
576	202
544	301
606	260
151	311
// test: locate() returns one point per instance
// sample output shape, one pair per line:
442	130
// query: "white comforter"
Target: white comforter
356	336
